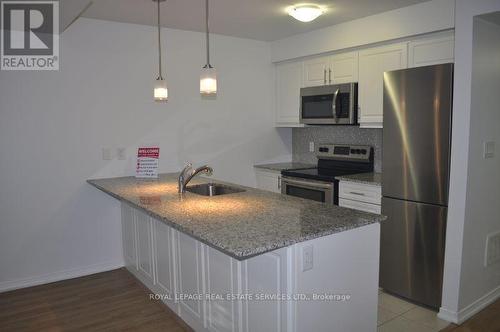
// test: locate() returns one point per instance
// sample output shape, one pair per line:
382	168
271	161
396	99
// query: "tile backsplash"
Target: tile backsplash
334	134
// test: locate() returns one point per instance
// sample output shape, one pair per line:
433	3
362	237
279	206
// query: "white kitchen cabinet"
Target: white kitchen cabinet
316	71
190	280
288	84
266	274
144	245
361	206
128	236
221	277
335	69
360	196
186	267
344	68
431	50
164	268
373	63
268	180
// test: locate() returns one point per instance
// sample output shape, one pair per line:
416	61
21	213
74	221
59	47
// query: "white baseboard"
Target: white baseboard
58	276
471	309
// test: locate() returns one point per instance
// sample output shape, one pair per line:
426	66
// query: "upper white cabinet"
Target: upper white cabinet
431	51
373	63
316	71
335	69
288	84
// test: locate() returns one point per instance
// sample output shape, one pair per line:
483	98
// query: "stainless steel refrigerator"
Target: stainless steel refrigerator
416	157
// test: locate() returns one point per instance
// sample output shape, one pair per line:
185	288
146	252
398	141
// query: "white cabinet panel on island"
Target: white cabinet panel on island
144	245
190	276
163	239
373	63
266	274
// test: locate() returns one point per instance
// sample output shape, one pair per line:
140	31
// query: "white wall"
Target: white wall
482	211
404	22
54	124
468	286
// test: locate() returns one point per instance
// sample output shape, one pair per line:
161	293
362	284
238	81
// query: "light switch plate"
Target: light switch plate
121	153
107	154
489	149
307	258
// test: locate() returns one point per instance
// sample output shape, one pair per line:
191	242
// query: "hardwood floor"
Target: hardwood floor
488	320
109	301
116	301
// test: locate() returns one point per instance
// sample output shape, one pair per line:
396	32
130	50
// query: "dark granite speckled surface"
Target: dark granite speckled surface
284	166
364	178
242	224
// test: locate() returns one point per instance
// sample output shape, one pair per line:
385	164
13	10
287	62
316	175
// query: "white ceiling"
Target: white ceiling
255	19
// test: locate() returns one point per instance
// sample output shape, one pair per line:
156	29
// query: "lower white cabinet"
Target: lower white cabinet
268	180
144	245
190	280
358	196
208	289
431	50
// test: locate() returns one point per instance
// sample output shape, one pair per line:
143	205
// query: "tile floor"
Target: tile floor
396	315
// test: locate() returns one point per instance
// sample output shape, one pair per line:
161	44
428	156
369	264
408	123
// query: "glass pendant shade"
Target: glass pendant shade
208	81
160	90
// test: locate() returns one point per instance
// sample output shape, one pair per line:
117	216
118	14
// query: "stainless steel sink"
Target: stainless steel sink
213	189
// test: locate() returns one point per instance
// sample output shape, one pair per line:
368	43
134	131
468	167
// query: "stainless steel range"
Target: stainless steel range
319	183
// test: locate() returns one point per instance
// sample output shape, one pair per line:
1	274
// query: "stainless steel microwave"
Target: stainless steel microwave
329	104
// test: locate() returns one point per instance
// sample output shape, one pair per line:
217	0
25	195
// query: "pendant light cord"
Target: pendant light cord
159	44
207	35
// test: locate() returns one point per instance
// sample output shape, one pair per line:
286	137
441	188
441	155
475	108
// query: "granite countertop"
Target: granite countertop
240	225
284	166
365	178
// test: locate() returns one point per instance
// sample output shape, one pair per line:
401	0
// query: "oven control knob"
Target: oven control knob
353	151
363	151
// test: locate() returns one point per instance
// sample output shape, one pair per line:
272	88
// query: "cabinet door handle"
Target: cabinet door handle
330	75
324	76
356	193
279	182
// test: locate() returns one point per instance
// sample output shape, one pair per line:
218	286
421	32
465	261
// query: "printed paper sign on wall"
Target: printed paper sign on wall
147	162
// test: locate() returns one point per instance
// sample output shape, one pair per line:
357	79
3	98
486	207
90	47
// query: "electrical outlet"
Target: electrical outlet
311	146
492	255
489	150
121	153
107	154
307	258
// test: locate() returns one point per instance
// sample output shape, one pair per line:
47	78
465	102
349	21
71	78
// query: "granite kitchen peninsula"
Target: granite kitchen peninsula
250	260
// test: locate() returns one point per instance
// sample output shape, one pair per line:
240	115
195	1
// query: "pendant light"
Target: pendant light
160	91
208	77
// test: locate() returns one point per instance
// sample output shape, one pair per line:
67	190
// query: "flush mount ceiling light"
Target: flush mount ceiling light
160	91
208	77
306	12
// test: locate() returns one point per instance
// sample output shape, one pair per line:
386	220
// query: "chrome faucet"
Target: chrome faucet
189	172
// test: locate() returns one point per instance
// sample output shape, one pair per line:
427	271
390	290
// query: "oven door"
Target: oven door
330	104
309	189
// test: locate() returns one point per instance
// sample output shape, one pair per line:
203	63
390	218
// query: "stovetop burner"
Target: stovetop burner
336	160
